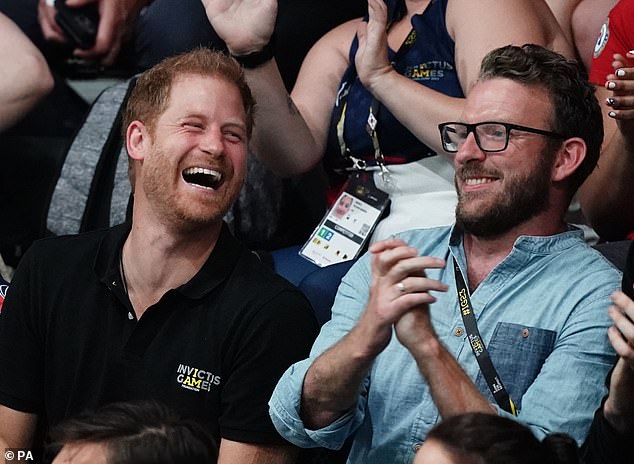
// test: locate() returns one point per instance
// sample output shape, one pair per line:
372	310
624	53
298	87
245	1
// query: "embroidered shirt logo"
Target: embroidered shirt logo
195	379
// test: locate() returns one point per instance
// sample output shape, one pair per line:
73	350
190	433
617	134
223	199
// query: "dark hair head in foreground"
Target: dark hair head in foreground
144	432
478	438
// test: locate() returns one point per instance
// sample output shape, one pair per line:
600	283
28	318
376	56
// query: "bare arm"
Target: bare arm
24	74
606	195
563	14
232	452
451	388
619	407
17	429
291	131
333	382
586	22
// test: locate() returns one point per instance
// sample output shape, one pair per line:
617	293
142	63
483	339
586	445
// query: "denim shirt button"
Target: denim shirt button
525	332
458	331
416	447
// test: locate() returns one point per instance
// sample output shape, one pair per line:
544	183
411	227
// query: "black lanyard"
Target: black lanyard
478	347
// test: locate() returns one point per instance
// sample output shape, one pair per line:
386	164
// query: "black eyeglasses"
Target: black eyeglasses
489	135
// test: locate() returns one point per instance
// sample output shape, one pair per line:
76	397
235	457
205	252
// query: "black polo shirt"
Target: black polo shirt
213	348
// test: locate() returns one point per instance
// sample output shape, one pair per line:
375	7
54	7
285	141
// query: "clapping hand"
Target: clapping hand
400	292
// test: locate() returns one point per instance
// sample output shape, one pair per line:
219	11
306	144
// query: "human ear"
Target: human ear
569	157
137	140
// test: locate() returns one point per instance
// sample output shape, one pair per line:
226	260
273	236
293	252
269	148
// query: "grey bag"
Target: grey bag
93	189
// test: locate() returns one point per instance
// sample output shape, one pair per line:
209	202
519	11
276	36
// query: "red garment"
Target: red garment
616	36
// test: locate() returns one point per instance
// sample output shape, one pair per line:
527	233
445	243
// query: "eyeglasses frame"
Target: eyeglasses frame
471	128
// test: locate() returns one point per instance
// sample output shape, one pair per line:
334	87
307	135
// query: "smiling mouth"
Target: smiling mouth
203	177
479	180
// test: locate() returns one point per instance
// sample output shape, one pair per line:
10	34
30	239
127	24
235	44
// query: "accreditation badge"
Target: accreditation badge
344	231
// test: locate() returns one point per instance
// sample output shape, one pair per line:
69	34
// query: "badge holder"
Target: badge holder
344	231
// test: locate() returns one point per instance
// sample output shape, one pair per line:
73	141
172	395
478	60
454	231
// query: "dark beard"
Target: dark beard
524	198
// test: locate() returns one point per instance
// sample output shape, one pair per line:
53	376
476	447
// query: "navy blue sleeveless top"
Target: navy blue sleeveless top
429	61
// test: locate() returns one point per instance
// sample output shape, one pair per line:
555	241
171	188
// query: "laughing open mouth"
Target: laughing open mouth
203	177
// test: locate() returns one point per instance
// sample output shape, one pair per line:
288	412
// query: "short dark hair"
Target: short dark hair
149	97
576	110
478	438
138	432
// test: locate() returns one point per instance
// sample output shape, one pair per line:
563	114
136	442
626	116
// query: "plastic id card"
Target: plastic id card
344	231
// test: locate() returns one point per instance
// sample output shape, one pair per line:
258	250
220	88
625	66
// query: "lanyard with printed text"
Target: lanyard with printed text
342	106
478	347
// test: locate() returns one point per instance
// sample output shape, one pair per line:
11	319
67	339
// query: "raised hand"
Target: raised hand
371	59
246	26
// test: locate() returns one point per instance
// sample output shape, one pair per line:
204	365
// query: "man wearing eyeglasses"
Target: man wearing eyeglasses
502	313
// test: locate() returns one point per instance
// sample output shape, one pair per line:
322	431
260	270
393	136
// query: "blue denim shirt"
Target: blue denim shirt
542	313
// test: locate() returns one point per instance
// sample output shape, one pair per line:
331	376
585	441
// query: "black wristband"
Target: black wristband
255	59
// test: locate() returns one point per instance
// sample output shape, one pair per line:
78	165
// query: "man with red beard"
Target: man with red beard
169	307
503	313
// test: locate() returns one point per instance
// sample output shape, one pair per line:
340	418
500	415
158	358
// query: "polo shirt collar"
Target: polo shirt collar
218	266
214	271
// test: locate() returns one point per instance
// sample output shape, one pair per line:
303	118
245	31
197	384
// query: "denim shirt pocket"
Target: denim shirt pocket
518	353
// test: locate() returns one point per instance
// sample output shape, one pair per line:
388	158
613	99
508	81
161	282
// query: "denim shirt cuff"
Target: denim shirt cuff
539	432
502	412
291	427
333	436
284	409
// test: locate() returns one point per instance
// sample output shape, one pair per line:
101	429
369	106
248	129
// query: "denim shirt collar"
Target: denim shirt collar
525	249
525	244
